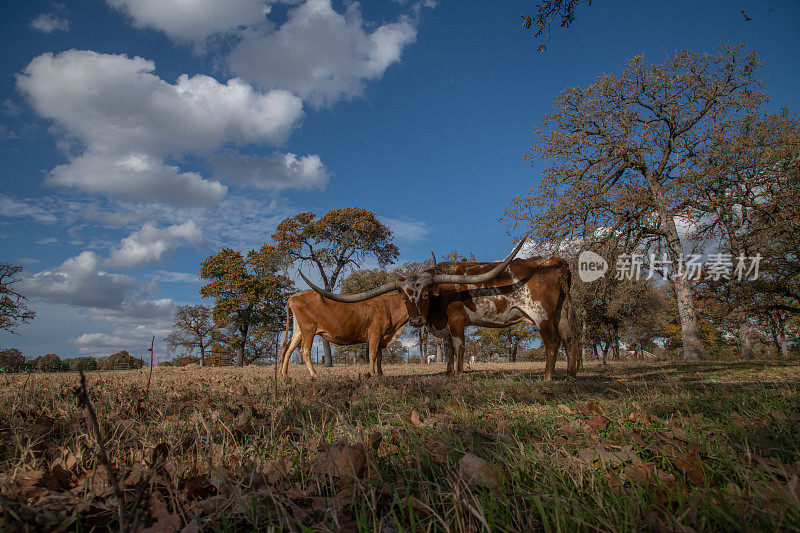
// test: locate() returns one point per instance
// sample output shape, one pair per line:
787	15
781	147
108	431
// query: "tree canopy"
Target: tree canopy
194	329
248	291
13	311
623	155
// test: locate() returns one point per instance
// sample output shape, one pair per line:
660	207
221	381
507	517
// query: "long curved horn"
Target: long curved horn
434	258
352	298
479	278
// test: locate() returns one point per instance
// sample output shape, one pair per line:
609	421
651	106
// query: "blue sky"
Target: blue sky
138	137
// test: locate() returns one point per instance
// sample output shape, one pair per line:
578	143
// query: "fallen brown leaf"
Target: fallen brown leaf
480	471
166	522
598	423
340	460
590	408
643	417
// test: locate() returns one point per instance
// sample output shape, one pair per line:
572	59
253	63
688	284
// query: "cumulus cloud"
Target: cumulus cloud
128	121
278	171
319	54
50	22
137	176
152	244
134	339
80	281
192	21
101	296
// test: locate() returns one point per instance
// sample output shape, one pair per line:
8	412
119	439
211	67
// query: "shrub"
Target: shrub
12	360
120	360
48	363
83	363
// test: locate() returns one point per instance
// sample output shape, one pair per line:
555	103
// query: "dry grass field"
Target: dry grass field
653	446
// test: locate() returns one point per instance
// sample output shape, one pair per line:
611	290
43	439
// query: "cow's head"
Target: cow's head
416	289
416	292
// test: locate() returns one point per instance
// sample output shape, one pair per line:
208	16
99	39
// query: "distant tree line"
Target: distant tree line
12	360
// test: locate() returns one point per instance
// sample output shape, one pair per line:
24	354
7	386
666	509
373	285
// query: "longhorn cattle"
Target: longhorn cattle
378	322
451	296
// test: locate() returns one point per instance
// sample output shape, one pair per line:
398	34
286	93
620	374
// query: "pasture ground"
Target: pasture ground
630	446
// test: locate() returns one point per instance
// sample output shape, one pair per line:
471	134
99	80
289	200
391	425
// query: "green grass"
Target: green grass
709	446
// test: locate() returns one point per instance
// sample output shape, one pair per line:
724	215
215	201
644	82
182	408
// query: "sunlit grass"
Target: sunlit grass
669	446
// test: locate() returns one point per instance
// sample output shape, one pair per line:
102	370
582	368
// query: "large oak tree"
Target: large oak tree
622	155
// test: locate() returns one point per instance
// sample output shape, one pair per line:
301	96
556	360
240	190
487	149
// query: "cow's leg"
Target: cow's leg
374	350
305	350
288	349
455	326
551	342
449	352
458	348
378	360
565	334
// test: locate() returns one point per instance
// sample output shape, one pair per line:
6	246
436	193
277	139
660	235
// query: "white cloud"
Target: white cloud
192	21
152	245
101	296
128	121
406	229
321	55
279	171
50	22
81	282
137	176
178	277
10	207
133	338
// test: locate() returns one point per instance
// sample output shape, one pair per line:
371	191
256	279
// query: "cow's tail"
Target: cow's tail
286	337
573	333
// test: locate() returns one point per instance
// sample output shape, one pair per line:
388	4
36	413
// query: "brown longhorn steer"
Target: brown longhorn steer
452	296
377	322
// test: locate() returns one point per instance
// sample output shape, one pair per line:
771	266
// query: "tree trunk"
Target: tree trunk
784	346
512	356
690	334
615	345
439	355
745	343
584	348
327	357
240	350
202	355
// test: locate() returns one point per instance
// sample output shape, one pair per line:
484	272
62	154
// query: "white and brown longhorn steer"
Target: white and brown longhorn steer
378	322
452	296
